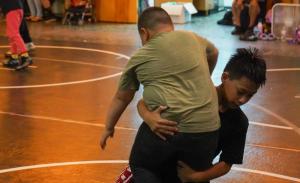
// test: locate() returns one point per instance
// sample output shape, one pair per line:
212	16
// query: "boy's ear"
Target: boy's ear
225	76
144	34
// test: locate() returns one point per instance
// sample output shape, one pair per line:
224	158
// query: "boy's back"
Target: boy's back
174	71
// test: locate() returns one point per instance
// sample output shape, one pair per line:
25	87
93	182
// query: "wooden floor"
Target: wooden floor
52	114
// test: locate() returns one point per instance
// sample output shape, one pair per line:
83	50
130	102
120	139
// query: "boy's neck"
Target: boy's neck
220	92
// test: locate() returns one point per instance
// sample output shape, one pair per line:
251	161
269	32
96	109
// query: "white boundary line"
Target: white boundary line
63	164
281	119
72	82
135	130
10	69
269	125
266	173
273	147
76	48
62	84
63	120
283	69
126	162
78	62
101	125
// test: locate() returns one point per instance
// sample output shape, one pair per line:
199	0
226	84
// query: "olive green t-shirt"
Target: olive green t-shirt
173	69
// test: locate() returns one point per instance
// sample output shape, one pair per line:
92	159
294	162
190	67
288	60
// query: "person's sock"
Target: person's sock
25	54
14	56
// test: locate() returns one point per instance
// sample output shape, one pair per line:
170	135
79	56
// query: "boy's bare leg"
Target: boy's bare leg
237	7
254	11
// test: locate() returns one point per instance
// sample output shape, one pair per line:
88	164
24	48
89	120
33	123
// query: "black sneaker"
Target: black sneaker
50	18
25	62
248	36
237	31
11	63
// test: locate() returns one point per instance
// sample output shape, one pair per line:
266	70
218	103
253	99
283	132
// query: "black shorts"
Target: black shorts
154	160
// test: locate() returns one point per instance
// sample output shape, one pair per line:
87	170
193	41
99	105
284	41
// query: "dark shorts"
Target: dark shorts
154	160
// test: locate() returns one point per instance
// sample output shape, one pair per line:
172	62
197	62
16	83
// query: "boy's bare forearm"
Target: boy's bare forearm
117	107
212	59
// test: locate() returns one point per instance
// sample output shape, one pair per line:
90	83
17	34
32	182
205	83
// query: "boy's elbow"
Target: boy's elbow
227	167
125	95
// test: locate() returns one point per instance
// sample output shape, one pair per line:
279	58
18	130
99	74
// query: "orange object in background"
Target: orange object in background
76	3
122	11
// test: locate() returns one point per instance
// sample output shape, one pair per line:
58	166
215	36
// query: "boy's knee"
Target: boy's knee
237	4
254	4
254	7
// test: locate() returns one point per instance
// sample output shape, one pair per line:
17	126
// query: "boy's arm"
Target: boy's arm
158	125
212	52
212	58
187	174
119	103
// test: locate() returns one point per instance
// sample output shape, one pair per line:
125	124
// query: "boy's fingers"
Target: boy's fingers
166	127
169	128
165	132
103	144
167	122
161	108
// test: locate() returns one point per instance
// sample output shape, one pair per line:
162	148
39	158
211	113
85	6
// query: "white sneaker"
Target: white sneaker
30	46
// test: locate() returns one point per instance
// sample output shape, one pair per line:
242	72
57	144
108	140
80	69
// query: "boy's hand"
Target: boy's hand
160	126
186	173
106	134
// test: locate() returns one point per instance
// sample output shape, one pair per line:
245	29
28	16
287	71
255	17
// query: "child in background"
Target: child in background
24	34
13	11
75	11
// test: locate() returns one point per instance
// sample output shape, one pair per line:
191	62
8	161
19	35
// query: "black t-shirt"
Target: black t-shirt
9	5
233	131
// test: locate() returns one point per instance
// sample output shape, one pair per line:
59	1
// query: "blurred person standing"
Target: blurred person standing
13	11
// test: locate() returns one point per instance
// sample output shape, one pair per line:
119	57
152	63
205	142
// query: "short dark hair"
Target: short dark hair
153	16
249	63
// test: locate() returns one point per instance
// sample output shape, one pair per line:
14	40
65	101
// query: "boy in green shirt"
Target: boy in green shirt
174	67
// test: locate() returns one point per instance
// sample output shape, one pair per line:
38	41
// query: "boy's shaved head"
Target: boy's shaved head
152	17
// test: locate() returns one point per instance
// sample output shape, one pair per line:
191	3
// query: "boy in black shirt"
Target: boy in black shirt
243	75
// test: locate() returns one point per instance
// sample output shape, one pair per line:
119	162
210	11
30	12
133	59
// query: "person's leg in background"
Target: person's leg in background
25	36
26	9
237	7
253	12
39	11
263	10
17	45
48	14
32	9
67	4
